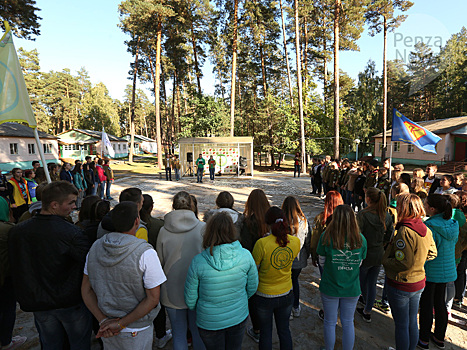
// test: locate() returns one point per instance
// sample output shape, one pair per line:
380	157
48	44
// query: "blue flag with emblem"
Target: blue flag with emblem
405	130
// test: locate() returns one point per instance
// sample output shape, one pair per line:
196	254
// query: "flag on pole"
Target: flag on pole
405	130
15	105
106	143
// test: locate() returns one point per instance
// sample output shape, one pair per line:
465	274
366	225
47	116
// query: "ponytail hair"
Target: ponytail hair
277	221
378	203
442	205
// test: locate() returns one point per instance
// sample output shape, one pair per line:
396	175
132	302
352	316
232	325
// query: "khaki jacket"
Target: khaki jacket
406	255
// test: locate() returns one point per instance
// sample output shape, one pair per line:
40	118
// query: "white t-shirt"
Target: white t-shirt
153	275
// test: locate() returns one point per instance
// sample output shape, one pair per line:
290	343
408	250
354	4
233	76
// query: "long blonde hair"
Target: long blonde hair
293	213
343	229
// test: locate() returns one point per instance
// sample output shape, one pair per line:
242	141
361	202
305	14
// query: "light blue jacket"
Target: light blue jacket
442	269
218	286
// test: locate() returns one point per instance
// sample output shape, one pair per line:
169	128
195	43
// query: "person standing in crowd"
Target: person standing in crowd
254	228
109	178
297	165
53	171
445	185
372	177
200	163
404	261
219	283
299	227
88	178
417	186
102	177
439	271
35	164
4	188
376	226
80	183
131	194
274	255
461	254
7	292
96	178
154	226
342	179
176	166
19	198
349	184
29	176
359	191
384	183
179	241
124	304
47	255
65	173
314	162
317	177
341	249
212	167
168	167
225	203
431	181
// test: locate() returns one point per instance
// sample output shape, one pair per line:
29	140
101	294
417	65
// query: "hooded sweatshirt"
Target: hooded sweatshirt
179	241
119	293
445	234
406	254
218	286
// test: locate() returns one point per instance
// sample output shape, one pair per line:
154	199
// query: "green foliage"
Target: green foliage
22	17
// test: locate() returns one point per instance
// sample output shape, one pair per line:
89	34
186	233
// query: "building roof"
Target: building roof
96	134
438	126
20	130
141	137
195	140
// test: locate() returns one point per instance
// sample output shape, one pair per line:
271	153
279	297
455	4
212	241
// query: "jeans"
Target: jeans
404	309
347	310
168	174
101	189
296	287
461	277
253	314
211	173
181	320
224	339
199	175
177	174
280	307
450	292
368	279
54	326
94	189
296	170
7	312
434	296
107	189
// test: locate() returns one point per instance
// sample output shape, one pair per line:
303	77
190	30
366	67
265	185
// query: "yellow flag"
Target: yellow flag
15	105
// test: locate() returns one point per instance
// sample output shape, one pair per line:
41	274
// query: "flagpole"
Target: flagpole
390	162
41	153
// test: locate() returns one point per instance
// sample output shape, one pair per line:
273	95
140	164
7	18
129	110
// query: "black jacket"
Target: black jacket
47	256
434	185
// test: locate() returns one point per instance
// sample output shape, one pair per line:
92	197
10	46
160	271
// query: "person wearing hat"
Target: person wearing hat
372	177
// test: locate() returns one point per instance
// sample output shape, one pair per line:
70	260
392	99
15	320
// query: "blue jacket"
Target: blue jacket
218	286
442	269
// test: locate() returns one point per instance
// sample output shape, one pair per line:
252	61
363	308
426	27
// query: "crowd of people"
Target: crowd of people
121	272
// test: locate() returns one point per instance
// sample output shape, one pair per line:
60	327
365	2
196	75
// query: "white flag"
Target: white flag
106	143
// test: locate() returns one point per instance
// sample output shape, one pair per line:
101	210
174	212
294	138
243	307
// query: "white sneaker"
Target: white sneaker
15	343
296	311
162	342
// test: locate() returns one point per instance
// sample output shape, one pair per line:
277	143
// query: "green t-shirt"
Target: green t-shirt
200	162
212	163
341	270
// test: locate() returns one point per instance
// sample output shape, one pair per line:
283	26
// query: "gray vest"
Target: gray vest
115	276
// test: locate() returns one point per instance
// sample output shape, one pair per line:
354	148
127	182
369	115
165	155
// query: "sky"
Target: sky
85	33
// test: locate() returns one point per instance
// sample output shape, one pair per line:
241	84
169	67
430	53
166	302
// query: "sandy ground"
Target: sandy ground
307	330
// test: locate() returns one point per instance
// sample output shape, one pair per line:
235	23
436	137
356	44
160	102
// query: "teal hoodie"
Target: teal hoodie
442	269
218	286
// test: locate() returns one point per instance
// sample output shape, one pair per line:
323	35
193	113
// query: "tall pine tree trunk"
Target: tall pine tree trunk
197	71
385	89
265	91
299	82
234	70
286	55
337	8
133	98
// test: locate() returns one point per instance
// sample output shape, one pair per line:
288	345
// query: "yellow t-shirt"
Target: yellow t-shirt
142	233
275	264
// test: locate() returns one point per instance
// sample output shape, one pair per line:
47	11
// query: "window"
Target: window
31	148
76	147
410	148
14	148
67	147
119	147
47	148
124	147
396	146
